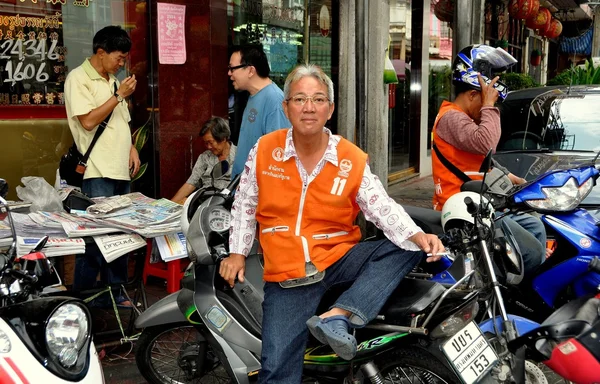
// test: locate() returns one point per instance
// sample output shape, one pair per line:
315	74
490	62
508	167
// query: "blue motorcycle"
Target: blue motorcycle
573	269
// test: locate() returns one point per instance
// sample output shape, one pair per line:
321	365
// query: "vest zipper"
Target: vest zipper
327	236
299	221
279	228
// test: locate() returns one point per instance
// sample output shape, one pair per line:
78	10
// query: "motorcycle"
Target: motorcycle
567	341
425	332
43	337
570	271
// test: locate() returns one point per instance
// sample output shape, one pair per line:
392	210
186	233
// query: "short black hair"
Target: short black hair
255	56
460	87
112	38
218	127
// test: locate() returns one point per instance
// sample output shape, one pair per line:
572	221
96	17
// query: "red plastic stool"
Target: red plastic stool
170	271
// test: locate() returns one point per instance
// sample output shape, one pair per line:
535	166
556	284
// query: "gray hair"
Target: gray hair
218	127
304	70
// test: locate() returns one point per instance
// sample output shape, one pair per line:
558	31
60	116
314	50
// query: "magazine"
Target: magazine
172	246
114	246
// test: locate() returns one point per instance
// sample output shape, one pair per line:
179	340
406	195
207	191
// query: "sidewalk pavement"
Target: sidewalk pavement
417	191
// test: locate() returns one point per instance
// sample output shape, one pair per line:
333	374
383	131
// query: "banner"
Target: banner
171	33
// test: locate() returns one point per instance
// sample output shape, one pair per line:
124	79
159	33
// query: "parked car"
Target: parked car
549	128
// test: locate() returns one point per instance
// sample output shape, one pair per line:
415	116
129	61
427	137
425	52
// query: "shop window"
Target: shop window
40	41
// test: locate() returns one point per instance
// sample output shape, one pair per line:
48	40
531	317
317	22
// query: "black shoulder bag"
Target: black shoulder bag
73	163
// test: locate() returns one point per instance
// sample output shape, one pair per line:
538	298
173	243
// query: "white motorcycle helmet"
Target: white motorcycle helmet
454	212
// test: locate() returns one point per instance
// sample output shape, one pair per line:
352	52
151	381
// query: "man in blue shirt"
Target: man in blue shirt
249	71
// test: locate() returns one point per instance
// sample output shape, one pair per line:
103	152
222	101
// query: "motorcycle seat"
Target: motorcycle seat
428	220
410	297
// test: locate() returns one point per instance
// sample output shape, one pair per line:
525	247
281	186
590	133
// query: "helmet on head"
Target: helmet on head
484	60
455	214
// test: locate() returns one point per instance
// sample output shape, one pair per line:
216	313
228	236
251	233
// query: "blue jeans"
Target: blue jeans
375	268
89	264
530	234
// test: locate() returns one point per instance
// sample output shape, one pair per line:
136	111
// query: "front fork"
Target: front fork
510	365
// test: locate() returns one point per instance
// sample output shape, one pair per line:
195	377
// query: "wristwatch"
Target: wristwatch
119	97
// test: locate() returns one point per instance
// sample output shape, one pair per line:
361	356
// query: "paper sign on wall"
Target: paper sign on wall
171	33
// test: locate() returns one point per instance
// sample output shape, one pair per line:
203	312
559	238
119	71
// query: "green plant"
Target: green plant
140	137
536	53
581	74
515	81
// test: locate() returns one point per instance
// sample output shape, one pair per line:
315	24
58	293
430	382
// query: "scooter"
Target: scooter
567	341
43	337
569	272
424	332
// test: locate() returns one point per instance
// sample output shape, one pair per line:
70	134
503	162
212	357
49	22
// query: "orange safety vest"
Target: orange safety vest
297	222
445	182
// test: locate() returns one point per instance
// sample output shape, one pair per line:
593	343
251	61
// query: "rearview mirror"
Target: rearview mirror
220	169
487	163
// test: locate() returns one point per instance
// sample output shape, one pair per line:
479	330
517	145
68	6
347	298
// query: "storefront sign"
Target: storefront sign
32	58
171	33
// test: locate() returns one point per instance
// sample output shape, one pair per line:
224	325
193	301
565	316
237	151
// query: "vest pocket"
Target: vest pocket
327	236
279	228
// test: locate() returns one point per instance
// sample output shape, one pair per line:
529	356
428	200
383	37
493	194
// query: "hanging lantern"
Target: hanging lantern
554	29
523	9
536	58
541	20
444	10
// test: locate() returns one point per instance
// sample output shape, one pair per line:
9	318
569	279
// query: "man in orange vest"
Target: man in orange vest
305	186
466	129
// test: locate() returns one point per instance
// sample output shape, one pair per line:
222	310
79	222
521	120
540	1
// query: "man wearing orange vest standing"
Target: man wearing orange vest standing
305	186
465	130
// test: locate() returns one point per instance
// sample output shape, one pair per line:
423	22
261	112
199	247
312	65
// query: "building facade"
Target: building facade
40	40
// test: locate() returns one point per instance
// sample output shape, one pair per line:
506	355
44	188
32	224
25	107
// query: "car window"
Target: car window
574	124
570	124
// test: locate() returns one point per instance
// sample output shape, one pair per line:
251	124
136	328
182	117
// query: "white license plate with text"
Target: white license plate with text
470	353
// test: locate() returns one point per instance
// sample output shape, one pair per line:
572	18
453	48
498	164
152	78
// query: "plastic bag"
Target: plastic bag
41	195
389	72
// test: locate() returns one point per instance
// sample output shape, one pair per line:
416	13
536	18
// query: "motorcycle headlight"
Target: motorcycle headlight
67	331
564	198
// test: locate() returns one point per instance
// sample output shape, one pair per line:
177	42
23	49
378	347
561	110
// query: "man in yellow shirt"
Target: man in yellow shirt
92	92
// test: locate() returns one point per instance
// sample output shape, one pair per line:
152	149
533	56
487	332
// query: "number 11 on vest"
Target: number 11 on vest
338	186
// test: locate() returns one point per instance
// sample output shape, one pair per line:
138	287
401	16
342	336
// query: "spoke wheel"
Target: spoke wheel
178	354
404	366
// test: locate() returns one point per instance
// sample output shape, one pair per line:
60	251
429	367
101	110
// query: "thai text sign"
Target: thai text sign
171	33
32	58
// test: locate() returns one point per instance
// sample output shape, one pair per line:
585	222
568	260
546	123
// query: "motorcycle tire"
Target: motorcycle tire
414	365
178	353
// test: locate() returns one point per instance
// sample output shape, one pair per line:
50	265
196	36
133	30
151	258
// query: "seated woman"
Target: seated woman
215	134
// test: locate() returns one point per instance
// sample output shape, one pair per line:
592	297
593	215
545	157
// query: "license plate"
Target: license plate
470	353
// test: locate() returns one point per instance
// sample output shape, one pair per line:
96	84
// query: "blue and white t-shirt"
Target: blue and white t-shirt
263	114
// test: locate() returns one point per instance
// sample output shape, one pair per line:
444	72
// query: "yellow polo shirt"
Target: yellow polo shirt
86	90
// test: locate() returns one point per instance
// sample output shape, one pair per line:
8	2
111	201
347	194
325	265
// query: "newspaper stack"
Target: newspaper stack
149	219
71	225
114	246
172	246
26	226
55	246
109	204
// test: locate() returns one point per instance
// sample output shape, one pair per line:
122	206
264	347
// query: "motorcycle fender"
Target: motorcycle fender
522	324
164	311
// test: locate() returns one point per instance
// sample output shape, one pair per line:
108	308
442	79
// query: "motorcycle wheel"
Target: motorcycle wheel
404	365
171	354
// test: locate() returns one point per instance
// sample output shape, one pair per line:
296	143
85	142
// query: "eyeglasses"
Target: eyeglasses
231	69
316	99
